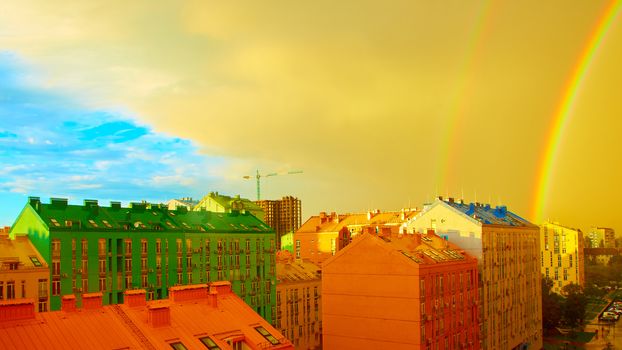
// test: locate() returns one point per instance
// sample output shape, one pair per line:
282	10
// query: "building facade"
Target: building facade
298	301
507	248
601	237
400	292
283	215
92	248
23	272
202	316
221	203
562	255
322	236
600	256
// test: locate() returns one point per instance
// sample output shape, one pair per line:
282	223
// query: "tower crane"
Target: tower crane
258	176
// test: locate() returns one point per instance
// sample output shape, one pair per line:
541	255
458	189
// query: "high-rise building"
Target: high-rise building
283	215
298	301
194	317
508	251
322	236
94	248
601	237
404	291
562	256
23	272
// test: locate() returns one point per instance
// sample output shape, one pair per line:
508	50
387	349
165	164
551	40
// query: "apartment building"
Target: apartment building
24	274
92	248
203	316
562	256
508	251
323	235
283	215
298	301
400	291
220	203
601	237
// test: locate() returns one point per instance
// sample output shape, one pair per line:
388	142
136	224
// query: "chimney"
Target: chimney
91	301
213	298
68	303
189	292
322	217
17	309
136	297
451	199
430	232
159	314
369	215
222	287
417	239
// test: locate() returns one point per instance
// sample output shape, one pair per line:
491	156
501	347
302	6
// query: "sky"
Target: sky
380	104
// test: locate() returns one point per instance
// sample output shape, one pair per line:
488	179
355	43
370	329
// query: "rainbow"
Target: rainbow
564	109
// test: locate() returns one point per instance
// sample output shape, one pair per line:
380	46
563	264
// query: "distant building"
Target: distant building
194	317
600	256
221	203
298	303
402	291
23	272
283	215
562	256
508	251
322	236
186	202
93	248
601	237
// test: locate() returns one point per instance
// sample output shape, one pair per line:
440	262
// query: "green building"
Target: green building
91	248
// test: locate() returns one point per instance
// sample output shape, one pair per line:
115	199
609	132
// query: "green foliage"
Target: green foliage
551	305
574	306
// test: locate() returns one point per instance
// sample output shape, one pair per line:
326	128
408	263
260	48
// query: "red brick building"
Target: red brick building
400	292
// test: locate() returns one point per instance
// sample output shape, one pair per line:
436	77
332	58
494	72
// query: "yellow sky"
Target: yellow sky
361	95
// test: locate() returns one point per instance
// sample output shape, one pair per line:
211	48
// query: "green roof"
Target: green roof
60	215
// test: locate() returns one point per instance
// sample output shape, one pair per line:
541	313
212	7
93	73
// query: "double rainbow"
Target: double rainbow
564	109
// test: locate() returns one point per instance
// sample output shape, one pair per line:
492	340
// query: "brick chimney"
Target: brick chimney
222	287
136	297
189	292
68	303
17	309
213	298
159	314
92	301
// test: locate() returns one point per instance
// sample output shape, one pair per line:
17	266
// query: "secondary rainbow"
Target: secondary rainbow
564	109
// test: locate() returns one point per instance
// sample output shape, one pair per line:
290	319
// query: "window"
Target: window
85	285
209	343
56	247
178	246
55	267
85	246
297	249
56	287
269	337
102	246
144	281
35	261
102	265
85	265
10	290
43	288
102	284
178	346
143	264
128	264
143	246
128	247
43	306
158	246
92	222
128	282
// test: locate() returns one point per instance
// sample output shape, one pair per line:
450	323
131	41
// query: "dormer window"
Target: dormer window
54	222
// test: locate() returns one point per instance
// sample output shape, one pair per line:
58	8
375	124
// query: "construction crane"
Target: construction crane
259	176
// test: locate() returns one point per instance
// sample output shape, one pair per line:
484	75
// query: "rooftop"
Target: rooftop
290	270
335	222
228	201
60	215
486	214
19	254
195	316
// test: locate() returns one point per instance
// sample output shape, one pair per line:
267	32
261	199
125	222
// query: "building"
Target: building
601	237
600	256
321	236
298	303
562	258
400	292
220	203
92	248
507	248
5	229
283	215
186	202
23	272
194	317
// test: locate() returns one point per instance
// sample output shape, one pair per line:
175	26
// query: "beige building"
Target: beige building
562	256
601	237
298	304
283	215
221	203
23	272
508	251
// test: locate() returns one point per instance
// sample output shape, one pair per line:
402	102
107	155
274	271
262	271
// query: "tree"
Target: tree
551	305
574	305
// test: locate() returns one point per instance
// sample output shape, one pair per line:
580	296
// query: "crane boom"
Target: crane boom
259	176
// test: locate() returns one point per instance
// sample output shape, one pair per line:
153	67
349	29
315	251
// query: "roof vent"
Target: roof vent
59	202
115	205
136	297
17	309
159	314
68	303
91	301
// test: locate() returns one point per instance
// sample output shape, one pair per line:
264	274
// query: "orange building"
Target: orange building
321	236
23	272
298	293
194	317
400	292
